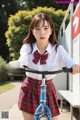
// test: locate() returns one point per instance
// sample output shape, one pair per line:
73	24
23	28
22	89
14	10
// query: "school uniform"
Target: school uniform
30	89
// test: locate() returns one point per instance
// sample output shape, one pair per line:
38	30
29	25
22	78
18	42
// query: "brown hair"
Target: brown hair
35	21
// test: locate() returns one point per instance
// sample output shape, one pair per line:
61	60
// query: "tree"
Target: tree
19	24
30	4
7	7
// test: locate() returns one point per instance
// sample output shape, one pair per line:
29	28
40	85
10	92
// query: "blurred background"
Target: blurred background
11	7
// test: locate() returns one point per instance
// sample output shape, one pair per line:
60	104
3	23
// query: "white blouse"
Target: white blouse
52	63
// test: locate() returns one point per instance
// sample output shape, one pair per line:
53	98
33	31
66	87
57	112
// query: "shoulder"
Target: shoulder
25	48
60	48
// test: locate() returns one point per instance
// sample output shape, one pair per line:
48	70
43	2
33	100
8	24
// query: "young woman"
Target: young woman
41	51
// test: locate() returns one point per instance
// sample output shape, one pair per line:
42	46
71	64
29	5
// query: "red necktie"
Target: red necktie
42	57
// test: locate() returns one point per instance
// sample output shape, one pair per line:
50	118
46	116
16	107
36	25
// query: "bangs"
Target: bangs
38	22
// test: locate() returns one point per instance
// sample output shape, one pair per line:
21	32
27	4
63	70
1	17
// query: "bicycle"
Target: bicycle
43	112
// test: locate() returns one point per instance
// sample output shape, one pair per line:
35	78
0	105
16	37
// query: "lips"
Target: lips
42	37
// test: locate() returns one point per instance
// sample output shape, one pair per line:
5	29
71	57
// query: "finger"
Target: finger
75	69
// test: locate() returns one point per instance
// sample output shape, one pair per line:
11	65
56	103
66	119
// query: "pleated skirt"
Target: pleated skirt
29	97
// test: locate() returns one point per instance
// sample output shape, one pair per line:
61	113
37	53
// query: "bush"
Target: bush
18	25
3	70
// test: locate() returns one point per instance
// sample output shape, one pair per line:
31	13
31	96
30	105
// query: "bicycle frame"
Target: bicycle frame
43	111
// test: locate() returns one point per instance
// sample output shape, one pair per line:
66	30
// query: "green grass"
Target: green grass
5	87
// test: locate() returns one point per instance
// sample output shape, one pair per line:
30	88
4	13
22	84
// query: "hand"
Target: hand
75	69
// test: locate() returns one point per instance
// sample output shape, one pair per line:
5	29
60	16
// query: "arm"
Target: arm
65	57
14	64
23	59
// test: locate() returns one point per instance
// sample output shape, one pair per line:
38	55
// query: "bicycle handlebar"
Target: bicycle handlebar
65	69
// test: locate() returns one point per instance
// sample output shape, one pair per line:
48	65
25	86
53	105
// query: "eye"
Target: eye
37	28
45	28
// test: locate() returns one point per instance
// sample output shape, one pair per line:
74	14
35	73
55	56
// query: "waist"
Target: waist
39	76
36	81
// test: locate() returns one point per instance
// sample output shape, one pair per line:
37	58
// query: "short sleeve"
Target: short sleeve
65	57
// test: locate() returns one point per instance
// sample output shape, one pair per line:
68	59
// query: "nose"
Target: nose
41	31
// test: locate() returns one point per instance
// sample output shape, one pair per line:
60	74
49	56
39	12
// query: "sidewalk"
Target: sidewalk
8	102
15	114
9	98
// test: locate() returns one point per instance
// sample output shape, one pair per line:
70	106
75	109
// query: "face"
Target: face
42	32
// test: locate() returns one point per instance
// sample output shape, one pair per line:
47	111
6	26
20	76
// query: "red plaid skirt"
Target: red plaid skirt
30	93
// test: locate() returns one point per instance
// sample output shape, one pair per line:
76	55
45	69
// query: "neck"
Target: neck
42	46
